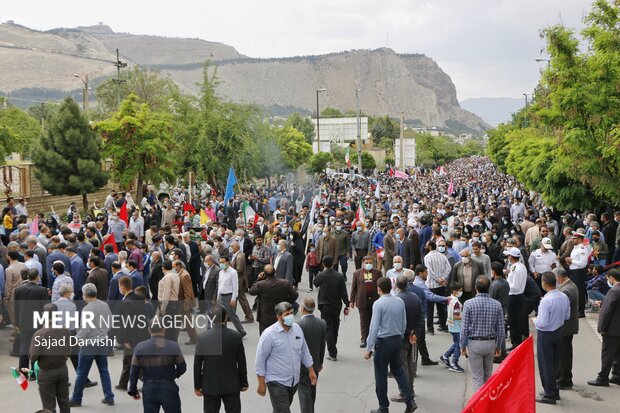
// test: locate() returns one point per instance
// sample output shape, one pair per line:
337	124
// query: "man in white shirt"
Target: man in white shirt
578	264
517	277
438	271
136	224
543	259
228	291
398	270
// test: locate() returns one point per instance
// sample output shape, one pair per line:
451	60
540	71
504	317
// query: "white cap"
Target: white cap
547	243
513	252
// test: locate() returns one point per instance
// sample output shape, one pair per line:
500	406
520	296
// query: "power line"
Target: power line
27	100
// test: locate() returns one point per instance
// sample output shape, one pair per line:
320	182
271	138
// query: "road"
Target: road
346	385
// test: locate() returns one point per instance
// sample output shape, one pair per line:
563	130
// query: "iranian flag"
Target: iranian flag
249	214
360	214
347	158
19	377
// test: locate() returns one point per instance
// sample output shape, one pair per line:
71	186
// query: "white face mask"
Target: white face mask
465	260
459	294
368	267
398	266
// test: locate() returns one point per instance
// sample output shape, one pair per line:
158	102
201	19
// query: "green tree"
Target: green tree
26	130
152	87
319	161
139	142
576	111
330	112
368	161
384	128
302	124
7	141
293	146
68	160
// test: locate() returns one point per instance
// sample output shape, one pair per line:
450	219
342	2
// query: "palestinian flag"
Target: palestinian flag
19	377
347	158
360	214
249	214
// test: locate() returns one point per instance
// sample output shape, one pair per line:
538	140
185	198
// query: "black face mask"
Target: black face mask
268	274
595	239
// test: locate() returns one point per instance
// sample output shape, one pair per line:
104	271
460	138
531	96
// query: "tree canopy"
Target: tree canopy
68	160
575	115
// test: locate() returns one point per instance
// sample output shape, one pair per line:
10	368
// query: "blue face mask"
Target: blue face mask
223	266
288	320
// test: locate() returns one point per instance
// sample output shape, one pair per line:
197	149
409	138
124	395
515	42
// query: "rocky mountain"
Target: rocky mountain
40	66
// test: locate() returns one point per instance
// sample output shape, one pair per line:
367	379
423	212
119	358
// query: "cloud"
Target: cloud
487	46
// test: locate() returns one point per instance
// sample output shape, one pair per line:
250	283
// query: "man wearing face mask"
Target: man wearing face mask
283	262
280	353
228	291
464	275
578	262
343	245
481	258
360	244
517	278
326	245
609	328
364	294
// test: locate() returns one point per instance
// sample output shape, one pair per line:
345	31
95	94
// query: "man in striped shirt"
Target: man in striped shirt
438	270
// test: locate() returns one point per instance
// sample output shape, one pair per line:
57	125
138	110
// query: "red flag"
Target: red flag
511	389
122	213
391	171
188	207
109	239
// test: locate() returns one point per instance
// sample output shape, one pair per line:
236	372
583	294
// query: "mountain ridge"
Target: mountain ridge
390	83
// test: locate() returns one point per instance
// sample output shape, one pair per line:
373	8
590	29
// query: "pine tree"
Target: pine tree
68	160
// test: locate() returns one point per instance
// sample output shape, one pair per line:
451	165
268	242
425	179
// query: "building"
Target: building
339	132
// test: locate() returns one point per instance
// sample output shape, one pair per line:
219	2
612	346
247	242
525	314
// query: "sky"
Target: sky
487	47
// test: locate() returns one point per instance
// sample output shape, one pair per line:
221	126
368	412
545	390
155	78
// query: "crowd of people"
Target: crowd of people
463	250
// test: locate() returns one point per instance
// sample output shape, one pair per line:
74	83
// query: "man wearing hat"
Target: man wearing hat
542	259
517	277
577	266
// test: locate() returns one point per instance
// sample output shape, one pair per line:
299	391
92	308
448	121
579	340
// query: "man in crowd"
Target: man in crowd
553	311
364	294
438	271
609	328
315	331
564	368
385	339
517	278
158	362
482	332
220	370
280	352
332	295
270	291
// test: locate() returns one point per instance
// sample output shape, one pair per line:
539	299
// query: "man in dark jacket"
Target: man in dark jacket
609	328
332	294
531	299
220	370
270	290
564	367
29	298
315	331
207	295
364	294
407	249
133	307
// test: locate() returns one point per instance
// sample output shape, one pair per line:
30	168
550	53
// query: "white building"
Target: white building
339	132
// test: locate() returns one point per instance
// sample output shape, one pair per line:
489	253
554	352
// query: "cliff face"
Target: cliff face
389	83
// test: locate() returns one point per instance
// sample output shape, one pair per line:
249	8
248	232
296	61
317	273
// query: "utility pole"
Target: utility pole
359	129
318	115
402	141
84	91
118	79
527	106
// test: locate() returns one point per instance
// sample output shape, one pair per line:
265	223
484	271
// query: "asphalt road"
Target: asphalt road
346	385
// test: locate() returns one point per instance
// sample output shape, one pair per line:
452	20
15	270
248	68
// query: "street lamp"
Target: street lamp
318	115
359	128
85	91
